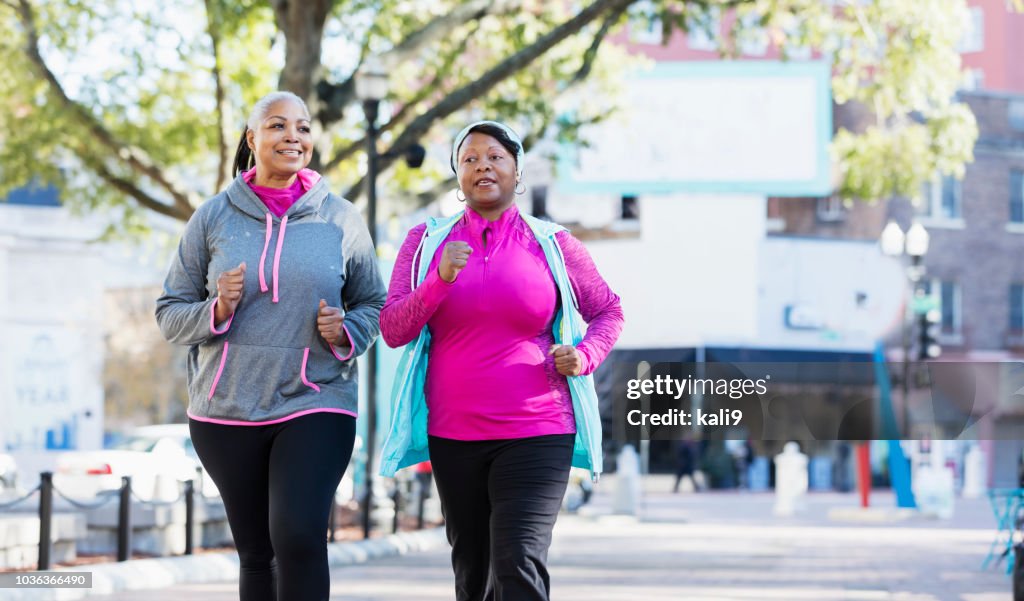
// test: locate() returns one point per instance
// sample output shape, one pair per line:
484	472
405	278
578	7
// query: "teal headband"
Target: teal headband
459	139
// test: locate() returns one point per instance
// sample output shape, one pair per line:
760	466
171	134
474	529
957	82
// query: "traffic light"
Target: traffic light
930	325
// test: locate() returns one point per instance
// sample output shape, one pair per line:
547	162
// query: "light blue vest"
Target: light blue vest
406	443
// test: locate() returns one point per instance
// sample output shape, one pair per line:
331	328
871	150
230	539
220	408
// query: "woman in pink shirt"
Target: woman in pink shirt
501	423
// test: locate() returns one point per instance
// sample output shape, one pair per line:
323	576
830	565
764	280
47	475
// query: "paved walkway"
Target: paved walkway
713	547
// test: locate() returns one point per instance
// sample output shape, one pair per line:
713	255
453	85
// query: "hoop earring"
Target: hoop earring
517	190
457	190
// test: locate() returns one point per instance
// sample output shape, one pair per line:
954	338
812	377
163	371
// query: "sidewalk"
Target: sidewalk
713	547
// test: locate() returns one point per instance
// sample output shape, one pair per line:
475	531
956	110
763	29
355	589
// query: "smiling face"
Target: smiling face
282	144
487	173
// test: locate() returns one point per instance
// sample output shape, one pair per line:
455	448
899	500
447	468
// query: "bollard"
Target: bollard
190	515
45	518
421	501
124	521
200	480
974	473
331	520
790	480
396	499
627	485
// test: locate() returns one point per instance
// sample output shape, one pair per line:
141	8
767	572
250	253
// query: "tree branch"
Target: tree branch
428	196
213	29
444	25
145	200
421	95
463	96
337	96
130	188
134	157
591	53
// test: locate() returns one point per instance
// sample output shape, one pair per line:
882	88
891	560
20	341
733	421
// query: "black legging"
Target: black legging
500	499
277	482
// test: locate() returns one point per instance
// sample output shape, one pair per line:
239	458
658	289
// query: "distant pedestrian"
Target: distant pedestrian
685	459
273	326
489	303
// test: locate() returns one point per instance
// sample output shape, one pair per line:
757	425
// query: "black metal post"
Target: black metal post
914	272
421	502
45	518
370	109
905	383
190	515
124	521
396	500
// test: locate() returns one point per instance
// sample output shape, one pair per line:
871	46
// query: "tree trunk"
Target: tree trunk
302	23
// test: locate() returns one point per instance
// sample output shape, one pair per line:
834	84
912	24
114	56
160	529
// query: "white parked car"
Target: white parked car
158	458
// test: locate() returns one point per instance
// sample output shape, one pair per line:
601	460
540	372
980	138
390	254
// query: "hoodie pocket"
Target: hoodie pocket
248	382
302	372
220	371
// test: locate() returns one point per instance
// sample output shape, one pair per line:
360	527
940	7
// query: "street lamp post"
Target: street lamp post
371	88
913	244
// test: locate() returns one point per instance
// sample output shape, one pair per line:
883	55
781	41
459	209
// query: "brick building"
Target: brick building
976	224
976	227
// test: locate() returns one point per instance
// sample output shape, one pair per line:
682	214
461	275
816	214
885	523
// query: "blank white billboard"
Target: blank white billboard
758	127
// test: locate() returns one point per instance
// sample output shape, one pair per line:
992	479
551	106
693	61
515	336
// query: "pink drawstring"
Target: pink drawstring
277	254
305	358
263	257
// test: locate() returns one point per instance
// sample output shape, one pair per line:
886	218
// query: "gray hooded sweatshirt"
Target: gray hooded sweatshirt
269	360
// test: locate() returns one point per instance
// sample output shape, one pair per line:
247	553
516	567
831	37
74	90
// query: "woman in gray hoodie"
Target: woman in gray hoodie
275	289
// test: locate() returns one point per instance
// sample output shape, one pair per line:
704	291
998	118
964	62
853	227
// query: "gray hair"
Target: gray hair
262	107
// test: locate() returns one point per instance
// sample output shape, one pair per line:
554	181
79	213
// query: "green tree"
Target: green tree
137	106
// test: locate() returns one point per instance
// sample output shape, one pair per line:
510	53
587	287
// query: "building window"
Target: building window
830	208
704	30
1016	196
630	208
644	26
753	39
943	199
973	39
974	79
798	53
1016	114
950	303
1017	308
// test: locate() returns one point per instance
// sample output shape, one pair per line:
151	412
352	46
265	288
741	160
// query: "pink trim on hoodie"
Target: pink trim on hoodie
305	359
277	253
213	319
263	256
351	349
233	422
220	370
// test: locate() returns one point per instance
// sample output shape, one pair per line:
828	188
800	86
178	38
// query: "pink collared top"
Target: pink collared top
490	374
279	200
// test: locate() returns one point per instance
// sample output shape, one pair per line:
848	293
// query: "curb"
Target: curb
142	574
875	515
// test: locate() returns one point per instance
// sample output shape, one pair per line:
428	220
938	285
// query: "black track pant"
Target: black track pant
500	499
277	482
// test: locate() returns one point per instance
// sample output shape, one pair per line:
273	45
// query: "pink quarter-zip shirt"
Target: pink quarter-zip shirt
490	374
